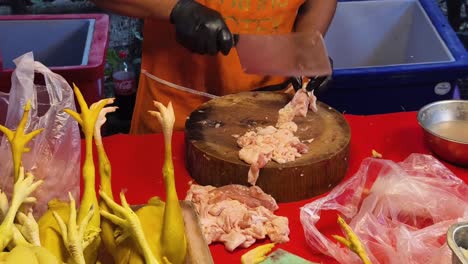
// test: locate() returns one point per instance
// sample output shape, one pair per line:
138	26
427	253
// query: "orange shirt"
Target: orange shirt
165	59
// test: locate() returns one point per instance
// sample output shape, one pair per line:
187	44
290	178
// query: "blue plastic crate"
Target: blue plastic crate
392	55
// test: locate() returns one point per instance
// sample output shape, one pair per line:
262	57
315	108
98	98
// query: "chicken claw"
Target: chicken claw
129	223
376	154
3	205
88	116
352	241
18	139
22	189
28	228
165	117
74	236
101	119
257	254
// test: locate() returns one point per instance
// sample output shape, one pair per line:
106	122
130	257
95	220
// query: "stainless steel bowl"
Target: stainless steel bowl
431	115
457	238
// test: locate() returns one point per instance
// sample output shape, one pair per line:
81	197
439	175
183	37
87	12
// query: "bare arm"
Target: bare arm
158	9
315	15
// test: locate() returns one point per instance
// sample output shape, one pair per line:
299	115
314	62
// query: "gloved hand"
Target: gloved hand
315	83
200	29
319	83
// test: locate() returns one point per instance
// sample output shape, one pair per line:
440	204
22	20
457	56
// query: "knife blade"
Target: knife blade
293	54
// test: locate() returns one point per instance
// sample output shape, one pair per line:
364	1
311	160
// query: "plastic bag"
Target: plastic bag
3	107
401	212
55	153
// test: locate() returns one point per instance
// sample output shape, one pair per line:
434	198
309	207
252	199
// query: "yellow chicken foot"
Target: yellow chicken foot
257	255
87	119
3	205
352	241
129	223
101	120
25	231
173	240
18	139
28	228
23	187
105	172
74	236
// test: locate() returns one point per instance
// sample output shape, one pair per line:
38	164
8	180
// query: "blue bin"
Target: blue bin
391	56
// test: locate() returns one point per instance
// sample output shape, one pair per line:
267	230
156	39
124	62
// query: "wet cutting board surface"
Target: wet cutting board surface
212	151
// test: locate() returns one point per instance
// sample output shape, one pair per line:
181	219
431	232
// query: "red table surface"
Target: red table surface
137	163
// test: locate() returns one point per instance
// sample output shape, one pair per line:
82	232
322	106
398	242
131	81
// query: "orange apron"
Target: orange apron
164	59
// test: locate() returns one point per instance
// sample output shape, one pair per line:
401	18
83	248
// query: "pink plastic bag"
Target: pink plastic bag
401	212
55	153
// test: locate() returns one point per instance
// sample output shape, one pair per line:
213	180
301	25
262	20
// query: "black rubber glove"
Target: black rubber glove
316	84
200	29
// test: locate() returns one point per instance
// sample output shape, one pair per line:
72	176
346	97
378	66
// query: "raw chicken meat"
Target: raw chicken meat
299	106
237	215
277	143
250	196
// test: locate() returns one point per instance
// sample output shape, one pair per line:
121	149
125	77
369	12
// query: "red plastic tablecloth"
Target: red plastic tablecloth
137	162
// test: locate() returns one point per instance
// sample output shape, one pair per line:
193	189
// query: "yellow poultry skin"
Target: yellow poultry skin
48	227
30	255
49	230
72	234
156	231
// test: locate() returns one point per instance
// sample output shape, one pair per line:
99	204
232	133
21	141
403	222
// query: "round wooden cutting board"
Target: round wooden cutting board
212	152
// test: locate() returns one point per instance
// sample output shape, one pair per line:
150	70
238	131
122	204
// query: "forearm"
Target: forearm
315	15
158	9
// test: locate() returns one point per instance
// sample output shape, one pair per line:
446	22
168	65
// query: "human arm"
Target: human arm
315	15
198	28
157	9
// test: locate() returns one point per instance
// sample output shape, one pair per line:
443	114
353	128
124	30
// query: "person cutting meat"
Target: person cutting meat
188	53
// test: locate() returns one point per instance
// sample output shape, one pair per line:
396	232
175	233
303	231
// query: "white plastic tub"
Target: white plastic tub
61	42
382	33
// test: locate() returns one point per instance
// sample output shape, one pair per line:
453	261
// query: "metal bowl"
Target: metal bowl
449	147
457	238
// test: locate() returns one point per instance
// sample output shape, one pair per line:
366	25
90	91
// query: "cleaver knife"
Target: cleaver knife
294	54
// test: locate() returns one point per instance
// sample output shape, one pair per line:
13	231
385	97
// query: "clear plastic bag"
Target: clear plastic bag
55	153
3	107
400	211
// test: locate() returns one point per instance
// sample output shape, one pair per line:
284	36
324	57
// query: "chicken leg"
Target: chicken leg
18	139
23	187
173	240
352	241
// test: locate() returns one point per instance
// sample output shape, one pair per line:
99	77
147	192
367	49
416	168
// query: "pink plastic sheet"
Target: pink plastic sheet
400	211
